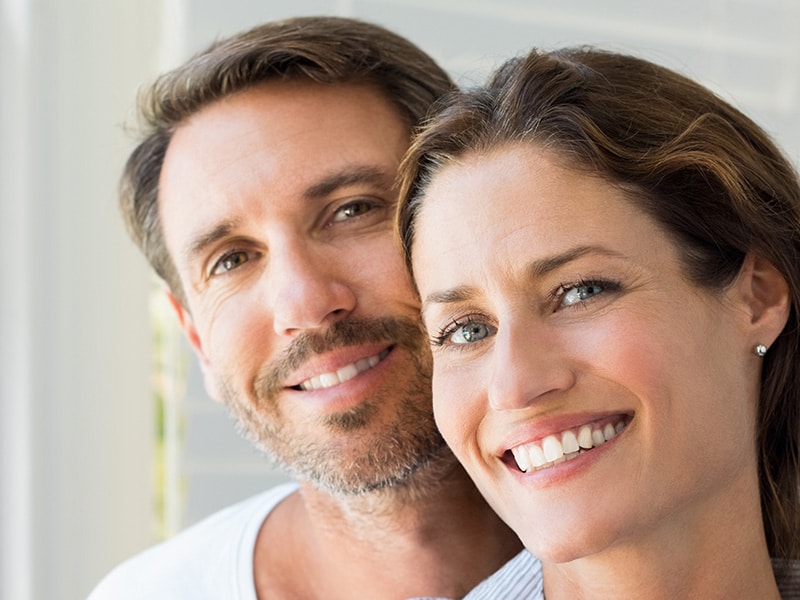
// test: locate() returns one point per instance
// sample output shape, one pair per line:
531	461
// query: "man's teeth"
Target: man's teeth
567	445
327	380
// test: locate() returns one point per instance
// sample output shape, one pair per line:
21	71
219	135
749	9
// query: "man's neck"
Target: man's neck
381	545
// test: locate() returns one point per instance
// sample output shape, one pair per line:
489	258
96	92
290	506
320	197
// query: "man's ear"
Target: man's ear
766	296
210	378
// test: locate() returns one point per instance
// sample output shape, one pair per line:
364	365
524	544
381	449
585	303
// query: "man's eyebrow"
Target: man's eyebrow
201	241
536	269
362	174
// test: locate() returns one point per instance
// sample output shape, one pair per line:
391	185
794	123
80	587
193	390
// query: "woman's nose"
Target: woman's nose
528	364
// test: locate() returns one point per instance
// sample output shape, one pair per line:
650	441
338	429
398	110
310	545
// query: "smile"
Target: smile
557	448
326	380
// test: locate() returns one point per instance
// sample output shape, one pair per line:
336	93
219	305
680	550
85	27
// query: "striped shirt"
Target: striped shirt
521	579
518	579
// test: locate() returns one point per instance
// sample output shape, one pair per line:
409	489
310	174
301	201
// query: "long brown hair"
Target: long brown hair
709	175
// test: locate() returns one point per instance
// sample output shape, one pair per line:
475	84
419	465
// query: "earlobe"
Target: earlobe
766	295
185	320
187	325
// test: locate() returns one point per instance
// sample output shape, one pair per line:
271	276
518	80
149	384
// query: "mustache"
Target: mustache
351	332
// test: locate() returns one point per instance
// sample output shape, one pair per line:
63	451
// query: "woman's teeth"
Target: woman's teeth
326	380
555	449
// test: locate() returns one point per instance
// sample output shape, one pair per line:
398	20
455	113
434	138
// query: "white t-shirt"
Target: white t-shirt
213	560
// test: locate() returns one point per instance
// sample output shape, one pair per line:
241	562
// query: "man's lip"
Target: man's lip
535	430
330	362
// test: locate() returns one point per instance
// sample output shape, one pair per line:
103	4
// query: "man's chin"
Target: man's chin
418	478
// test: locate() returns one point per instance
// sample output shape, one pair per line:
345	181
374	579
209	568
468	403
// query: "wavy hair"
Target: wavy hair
710	176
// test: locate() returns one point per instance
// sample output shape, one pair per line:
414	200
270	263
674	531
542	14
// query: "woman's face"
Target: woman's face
588	387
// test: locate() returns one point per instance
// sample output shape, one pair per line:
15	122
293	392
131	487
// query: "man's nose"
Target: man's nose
308	290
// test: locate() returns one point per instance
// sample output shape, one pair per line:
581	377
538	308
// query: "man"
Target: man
263	193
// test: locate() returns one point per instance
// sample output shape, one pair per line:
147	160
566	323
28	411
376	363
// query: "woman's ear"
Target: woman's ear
765	294
210	379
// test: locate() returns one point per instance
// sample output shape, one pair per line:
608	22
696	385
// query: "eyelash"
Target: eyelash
440	339
557	297
563	289
367	204
214	271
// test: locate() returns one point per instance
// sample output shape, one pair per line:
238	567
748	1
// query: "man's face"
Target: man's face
277	207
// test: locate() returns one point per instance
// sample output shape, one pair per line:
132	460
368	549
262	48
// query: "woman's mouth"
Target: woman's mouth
566	445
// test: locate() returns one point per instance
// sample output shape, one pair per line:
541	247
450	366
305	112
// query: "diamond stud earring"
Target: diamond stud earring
760	350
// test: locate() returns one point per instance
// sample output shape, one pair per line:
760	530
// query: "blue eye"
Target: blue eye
580	292
461	333
470	333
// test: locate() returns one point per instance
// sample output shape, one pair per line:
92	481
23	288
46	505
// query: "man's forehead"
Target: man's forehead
295	96
272	150
278	118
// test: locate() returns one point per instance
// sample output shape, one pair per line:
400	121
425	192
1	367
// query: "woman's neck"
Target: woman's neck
717	550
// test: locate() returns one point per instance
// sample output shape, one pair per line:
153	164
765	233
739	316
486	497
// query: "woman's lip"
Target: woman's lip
535	429
565	446
333	361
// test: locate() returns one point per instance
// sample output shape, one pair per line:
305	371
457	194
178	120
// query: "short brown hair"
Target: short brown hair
321	49
709	175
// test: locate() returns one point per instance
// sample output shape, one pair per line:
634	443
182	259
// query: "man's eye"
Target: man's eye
352	209
229	262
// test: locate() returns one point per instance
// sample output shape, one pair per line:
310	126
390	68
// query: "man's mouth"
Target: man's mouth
560	447
326	380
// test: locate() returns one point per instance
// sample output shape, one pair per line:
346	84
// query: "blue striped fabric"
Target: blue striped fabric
519	579
787	574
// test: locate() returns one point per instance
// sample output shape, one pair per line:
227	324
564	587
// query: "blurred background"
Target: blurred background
108	440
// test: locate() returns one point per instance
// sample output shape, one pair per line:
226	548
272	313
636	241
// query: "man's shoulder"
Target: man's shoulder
206	559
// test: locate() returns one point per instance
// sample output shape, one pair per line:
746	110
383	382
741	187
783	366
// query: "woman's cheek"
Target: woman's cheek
455	410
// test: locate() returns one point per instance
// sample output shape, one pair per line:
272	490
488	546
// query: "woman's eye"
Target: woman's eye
580	292
229	262
352	209
465	333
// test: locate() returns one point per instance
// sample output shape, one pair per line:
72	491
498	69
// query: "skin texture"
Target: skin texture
284	285
277	206
552	303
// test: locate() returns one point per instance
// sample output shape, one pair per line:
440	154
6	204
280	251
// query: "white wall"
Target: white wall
76	409
75	413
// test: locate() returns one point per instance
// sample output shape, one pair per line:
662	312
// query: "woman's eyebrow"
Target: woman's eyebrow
545	266
535	269
451	296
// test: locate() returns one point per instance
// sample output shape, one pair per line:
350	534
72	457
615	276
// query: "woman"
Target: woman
608	257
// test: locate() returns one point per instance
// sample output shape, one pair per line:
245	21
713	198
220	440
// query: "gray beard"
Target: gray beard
350	453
